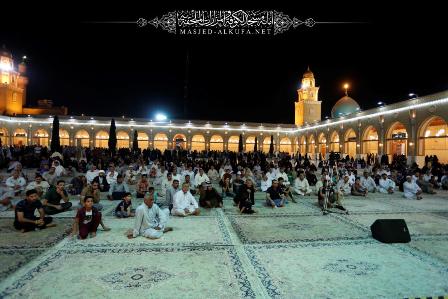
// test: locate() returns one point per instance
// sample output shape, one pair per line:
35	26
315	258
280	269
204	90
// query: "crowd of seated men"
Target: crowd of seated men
178	182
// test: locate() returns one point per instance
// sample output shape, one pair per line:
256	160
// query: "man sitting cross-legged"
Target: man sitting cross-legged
301	185
274	196
52	199
184	203
25	220
150	220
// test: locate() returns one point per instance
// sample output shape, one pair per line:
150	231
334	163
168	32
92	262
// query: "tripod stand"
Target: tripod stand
328	192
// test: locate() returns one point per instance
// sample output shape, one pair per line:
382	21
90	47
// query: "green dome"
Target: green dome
346	105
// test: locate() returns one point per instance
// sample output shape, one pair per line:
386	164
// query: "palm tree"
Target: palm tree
55	140
112	142
271	146
240	144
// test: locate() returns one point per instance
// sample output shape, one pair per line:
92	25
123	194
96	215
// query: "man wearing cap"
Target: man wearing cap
386	185
411	189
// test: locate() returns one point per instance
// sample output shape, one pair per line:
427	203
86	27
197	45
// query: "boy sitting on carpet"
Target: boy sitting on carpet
87	220
124	208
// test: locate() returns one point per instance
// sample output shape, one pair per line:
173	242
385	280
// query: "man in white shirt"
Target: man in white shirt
166	184
301	185
59	169
189	171
150	221
213	174
91	174
386	185
351	177
368	182
184	203
282	174
343	186
265	183
200	178
15	183
111	175
39	185
411	189
177	176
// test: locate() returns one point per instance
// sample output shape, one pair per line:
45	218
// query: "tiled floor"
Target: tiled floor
291	252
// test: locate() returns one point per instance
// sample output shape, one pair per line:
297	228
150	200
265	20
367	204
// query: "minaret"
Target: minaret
307	105
12	84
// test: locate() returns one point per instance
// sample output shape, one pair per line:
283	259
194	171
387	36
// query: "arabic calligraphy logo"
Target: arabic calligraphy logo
239	22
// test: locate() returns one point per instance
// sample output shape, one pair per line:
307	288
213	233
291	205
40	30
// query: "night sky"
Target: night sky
119	69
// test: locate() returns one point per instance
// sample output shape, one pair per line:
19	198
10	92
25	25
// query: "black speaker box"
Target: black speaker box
390	231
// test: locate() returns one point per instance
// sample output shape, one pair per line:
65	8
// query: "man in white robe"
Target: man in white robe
150	221
301	185
386	185
368	182
411	189
343	186
184	204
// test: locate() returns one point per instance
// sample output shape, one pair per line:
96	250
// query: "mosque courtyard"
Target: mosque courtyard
291	252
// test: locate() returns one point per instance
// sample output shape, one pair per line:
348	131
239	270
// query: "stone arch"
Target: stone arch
433	138
216	143
102	139
396	139
82	138
161	141
370	140
198	143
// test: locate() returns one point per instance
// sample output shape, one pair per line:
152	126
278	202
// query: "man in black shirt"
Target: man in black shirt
52	199
274	196
25	220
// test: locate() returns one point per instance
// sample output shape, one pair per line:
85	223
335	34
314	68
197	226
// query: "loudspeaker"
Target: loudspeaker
390	231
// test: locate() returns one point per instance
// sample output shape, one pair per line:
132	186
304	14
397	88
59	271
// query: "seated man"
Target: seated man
187	180
209	197
411	189
274	197
166	203
16	183
50	176
93	191
87	220
39	185
368	182
343	186
213	174
200	177
92	174
102	181
142	186
425	186
118	189
130	176
246	198
265	183
285	189
24	219
301	185
386	185
184	203
358	189
150	220
327	195
52	199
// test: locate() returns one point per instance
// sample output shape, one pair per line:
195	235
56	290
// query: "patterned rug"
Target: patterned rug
189	231
353	269
45	238
13	259
135	273
287	229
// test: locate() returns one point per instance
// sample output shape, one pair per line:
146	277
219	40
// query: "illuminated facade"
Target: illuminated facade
307	107
415	127
13	83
